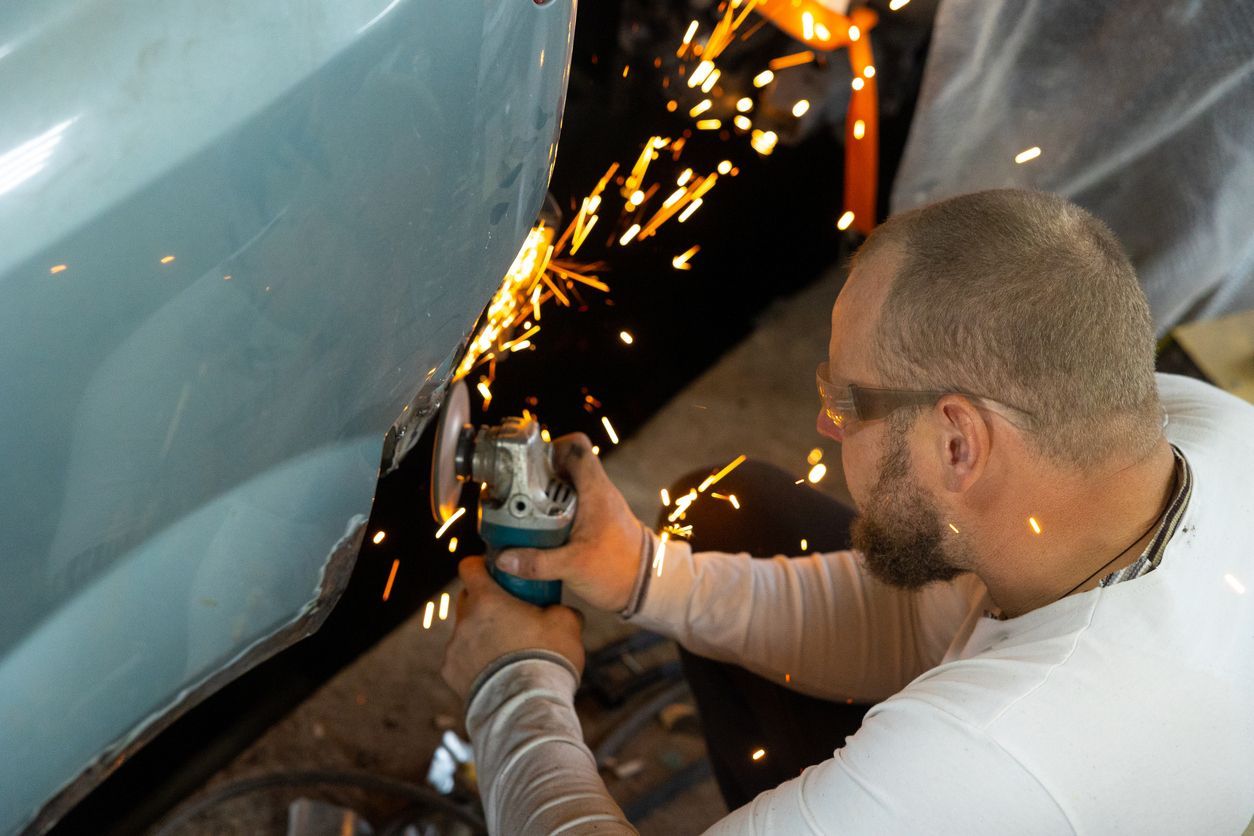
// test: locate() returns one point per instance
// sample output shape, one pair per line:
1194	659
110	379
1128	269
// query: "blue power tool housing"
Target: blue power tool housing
522	500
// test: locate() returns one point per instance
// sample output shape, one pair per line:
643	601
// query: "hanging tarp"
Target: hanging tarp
1143	113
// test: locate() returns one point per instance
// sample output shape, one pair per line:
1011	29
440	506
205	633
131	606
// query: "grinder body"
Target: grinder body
501	537
522	501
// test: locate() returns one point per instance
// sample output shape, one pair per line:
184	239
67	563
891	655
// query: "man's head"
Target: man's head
1026	305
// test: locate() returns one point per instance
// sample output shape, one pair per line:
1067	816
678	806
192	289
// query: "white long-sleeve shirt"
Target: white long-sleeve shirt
1128	708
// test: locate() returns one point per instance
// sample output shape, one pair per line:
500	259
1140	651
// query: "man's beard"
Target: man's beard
899	532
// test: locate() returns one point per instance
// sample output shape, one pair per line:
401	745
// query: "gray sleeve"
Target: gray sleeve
536	775
816	624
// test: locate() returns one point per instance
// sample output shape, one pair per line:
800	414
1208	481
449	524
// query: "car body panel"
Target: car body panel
236	241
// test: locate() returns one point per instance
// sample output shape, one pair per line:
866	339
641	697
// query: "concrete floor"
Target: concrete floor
385	713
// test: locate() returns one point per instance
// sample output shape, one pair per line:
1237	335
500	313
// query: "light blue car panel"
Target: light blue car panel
185	441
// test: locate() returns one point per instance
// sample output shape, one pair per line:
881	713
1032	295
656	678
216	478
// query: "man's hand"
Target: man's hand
491	623
602	559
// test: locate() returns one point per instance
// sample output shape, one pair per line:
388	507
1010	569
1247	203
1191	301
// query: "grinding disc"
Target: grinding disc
445	487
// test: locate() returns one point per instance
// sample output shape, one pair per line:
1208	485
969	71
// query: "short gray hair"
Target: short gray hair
1026	299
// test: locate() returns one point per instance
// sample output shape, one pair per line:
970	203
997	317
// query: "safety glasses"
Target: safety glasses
846	403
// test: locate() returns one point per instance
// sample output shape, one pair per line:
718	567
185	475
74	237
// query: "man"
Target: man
1047	601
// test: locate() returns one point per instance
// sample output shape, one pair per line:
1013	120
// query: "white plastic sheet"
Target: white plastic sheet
1144	114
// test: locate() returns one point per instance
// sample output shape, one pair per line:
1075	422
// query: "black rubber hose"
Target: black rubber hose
360	780
635	721
683	780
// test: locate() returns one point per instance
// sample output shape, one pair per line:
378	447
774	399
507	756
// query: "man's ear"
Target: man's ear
965	442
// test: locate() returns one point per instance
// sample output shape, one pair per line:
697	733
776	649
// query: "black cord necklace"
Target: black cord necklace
1139	538
1157	522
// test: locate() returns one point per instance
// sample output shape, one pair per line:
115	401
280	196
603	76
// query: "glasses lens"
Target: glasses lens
834	406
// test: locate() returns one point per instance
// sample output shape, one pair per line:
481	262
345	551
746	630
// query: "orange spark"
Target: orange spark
387	590
631	233
701	73
454	517
718	477
659	556
609	429
764	141
1028	155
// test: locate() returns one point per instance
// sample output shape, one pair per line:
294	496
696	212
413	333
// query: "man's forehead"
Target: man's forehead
855	315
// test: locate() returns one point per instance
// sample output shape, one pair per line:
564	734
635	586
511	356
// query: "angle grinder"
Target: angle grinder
522	501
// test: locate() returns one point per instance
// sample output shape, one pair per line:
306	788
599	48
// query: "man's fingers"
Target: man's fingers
564	446
534	564
573	456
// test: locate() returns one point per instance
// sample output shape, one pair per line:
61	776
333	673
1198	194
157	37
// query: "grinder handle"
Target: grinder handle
500	537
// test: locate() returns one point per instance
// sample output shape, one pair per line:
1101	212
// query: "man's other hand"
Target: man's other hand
491	623
602	559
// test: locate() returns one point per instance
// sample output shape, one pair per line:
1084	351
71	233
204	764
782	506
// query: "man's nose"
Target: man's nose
826	426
